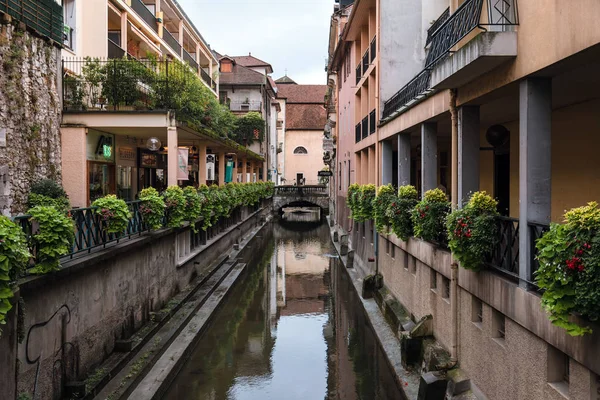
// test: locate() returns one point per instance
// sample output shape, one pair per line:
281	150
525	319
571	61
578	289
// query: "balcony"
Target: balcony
373	48
372	122
114	50
365	61
357	130
44	17
171	41
485	40
245	106
365	127
187	57
358	73
208	80
140	8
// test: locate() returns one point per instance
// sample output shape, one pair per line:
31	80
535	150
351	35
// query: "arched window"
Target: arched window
300	150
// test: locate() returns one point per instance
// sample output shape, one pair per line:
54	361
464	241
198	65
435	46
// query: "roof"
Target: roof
251	62
241	75
302	93
285	80
305	117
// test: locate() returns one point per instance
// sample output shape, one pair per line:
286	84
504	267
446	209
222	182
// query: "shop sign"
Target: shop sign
327	144
182	163
148	160
126	154
325	173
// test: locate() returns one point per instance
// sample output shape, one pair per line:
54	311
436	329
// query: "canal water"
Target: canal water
293	328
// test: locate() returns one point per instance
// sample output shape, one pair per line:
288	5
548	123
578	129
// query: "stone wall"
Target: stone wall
30	113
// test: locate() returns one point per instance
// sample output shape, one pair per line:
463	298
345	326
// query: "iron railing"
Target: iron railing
419	86
365	61
373	48
142	10
372	122
446	33
45	17
436	24
206	78
301	190
536	230
365	127
187	57
171	41
114	50
357	135
358	73
245	106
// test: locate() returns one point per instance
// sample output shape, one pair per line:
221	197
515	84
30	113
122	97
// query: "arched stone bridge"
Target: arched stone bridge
301	196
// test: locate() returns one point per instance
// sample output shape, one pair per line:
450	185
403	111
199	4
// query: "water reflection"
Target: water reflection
301	214
283	335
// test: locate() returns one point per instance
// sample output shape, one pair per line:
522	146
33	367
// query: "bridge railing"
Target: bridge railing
302	190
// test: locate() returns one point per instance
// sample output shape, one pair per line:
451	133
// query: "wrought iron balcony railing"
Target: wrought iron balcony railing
365	127
43	16
142	10
171	41
357	136
187	57
372	122
446	33
436	24
373	48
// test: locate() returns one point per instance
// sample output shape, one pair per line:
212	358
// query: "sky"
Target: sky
291	35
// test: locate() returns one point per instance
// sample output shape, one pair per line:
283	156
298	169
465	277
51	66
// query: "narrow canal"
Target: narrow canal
293	328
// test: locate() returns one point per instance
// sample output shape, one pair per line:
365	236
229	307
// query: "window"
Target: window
226	66
432	279
445	287
300	150
498	326
69	24
476	311
413	265
559	370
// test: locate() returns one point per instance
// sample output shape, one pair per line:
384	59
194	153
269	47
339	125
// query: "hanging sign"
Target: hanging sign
182	164
325	173
328	144
229	171
210	167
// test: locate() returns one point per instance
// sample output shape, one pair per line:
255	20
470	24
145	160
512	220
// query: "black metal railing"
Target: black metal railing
372	122
187	57
302	190
142	10
365	127
42	16
358	73
536	230
505	256
365	61
124	84
413	90
436	24
206	78
357	133
373	48
171	41
114	50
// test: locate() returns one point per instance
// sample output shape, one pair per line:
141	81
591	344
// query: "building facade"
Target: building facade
302	119
477	95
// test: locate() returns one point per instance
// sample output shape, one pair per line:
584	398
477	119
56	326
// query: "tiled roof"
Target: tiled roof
305	117
302	93
241	76
251	61
285	80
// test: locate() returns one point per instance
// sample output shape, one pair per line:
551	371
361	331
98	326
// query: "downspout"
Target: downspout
454	265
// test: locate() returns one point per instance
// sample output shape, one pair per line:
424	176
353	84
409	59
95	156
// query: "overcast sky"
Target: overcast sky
288	34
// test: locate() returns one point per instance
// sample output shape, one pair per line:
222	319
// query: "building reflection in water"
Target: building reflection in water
283	335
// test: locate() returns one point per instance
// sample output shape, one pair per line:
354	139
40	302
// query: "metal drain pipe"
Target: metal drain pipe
454	265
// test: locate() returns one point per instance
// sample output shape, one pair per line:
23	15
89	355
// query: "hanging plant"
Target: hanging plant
363	203
386	196
152	208
113	213
569	272
473	231
429	216
399	212
53	239
352	199
14	256
193	206
175	206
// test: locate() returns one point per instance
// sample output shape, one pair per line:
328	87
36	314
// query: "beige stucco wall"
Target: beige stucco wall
308	164
74	167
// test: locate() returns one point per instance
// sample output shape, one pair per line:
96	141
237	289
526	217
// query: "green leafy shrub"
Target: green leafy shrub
53	239
352	198
250	127
14	256
193	205
569	272
49	188
175	206
399	212
361	203
113	213
152	208
429	216
61	203
473	231
386	196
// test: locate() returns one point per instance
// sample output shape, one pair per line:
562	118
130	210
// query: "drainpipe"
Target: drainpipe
454	265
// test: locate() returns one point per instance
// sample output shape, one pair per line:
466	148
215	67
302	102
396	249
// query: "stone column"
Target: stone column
428	157
535	175
404	159
201	164
244	166
221	156
123	43
172	145
468	152
387	155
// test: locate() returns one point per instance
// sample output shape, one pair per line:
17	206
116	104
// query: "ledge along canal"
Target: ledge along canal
291	328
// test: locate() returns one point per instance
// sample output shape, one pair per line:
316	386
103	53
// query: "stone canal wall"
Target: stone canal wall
30	113
74	316
529	362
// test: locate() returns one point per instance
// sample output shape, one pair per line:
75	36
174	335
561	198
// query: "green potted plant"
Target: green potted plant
429	216
399	212
113	213
386	196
